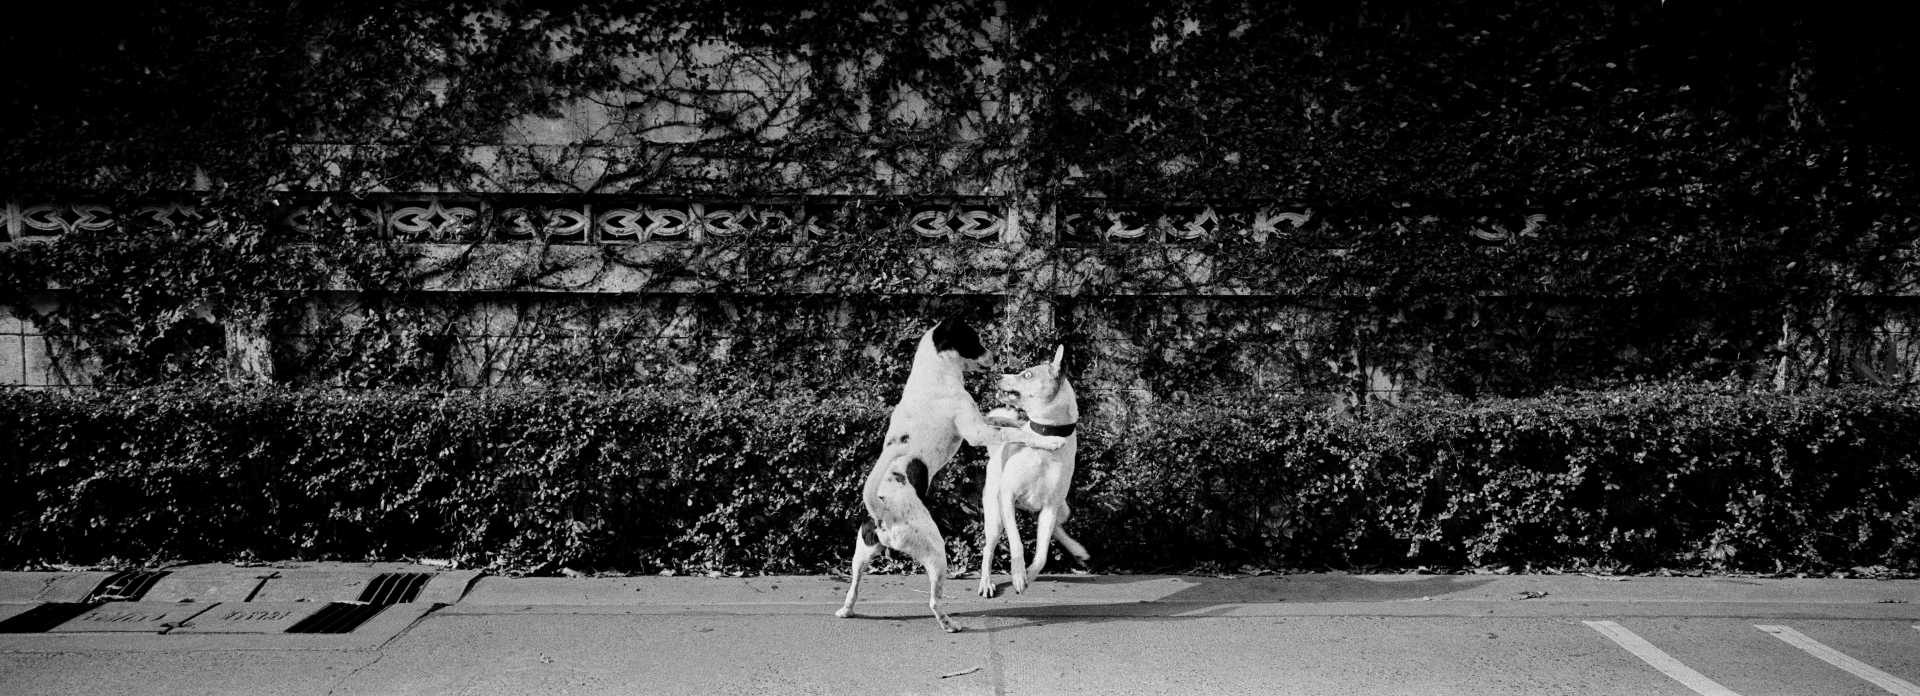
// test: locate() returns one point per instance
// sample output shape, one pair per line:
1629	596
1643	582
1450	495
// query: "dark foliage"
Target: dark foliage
1667	477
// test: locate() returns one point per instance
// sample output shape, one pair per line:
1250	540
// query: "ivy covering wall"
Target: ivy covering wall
1234	213
1477	191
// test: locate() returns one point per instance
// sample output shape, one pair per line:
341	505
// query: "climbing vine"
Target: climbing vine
1499	197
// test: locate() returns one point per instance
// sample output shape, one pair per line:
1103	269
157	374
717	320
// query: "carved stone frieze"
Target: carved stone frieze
617	219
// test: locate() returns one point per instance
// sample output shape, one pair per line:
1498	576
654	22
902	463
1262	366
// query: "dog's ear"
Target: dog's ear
956	335
1059	361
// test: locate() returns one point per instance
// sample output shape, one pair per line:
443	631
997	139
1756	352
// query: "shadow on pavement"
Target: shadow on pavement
1131	598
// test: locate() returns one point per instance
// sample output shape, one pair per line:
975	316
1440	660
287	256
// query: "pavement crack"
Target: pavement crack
996	667
377	657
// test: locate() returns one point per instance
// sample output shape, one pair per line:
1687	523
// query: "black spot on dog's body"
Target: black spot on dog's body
958	336
917	475
867	536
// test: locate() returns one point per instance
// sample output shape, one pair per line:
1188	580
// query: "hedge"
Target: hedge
640	481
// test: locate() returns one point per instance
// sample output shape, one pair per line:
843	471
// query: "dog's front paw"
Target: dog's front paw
946	622
1005	418
843	612
1048	442
987	588
1019	582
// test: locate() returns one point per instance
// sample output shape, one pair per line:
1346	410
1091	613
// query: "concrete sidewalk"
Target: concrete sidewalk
1318	594
1153	594
222	629
1146	596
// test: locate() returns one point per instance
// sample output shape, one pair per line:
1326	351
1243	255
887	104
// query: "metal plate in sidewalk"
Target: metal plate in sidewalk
132	617
249	617
126	586
339	617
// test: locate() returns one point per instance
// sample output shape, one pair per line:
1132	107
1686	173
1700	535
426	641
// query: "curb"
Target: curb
31	587
227	599
236	583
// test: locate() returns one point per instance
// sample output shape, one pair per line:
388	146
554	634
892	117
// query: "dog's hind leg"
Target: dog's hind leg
1066	542
1047	528
865	543
936	564
921	539
1016	553
915	534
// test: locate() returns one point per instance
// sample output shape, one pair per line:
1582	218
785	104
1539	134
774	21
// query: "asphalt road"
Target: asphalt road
1289	634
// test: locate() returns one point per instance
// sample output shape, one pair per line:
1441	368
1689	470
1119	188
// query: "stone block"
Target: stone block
211	583
13	359
50	587
249	617
132	617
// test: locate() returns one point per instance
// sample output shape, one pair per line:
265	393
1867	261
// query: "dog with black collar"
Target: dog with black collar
1031	479
934	416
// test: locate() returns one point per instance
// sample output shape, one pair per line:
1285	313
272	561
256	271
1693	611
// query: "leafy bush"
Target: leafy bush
633	480
1669	476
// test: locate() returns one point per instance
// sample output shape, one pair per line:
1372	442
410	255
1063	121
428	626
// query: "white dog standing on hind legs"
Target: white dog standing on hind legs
934	416
1032	479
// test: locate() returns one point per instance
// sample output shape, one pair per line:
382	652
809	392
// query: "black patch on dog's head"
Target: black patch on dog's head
917	475
957	335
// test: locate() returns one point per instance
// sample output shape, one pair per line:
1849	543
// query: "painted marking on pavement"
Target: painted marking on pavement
1660	660
1836	658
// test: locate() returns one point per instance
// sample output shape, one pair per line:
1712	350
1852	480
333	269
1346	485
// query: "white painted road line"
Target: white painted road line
1836	658
1661	660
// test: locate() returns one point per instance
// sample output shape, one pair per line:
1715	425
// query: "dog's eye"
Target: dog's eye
1027	375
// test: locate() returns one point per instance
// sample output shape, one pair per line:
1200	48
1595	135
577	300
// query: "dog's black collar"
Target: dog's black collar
1052	430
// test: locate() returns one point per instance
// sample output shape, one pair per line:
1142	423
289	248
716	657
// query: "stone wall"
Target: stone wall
623	291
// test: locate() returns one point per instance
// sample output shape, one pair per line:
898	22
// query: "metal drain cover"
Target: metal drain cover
394	588
337	617
126	586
